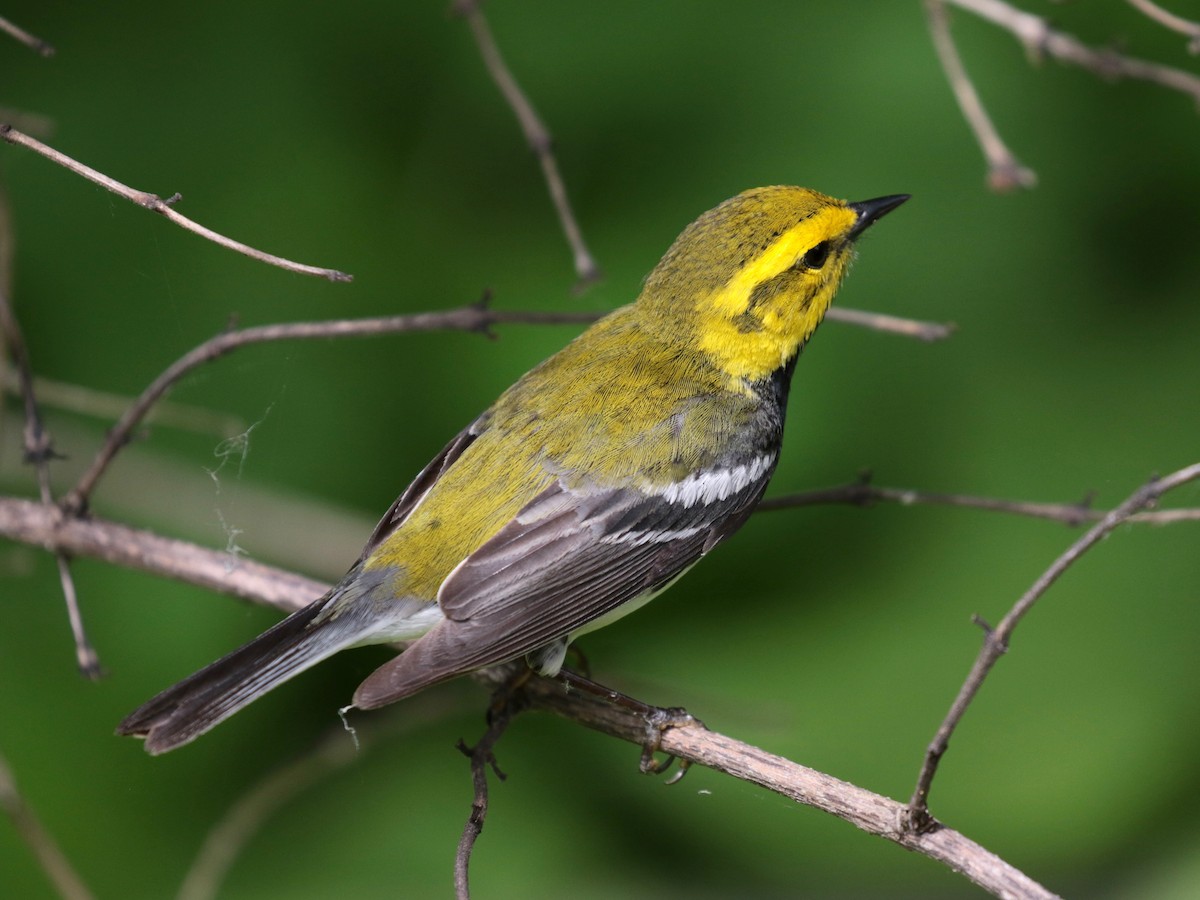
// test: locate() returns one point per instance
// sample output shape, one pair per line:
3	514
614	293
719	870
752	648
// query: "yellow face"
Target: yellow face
758	273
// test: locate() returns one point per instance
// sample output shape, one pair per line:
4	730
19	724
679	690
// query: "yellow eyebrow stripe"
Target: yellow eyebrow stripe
734	297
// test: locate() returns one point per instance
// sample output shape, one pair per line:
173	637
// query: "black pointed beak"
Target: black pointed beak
869	211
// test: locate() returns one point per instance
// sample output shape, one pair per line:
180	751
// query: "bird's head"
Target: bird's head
751	279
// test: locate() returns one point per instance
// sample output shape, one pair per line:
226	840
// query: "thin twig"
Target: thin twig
1039	40
47	852
1005	172
995	643
1186	27
165	208
39	449
536	134
913	328
29	40
86	657
862	493
476	317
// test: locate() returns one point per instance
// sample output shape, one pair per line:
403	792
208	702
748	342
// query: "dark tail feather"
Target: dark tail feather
184	712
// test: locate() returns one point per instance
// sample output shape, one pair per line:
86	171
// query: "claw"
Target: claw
658	722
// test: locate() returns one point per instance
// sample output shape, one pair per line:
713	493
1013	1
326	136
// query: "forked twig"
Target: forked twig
536	135
1005	172
995	644
1039	39
165	208
504	707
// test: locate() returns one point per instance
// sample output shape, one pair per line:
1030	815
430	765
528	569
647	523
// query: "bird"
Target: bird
590	486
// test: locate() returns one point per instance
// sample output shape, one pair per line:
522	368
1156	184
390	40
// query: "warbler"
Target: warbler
591	484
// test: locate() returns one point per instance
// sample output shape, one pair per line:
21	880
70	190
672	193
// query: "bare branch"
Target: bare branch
48	854
914	328
1040	40
870	812
536	134
29	40
1167	19
995	642
44	526
862	493
1005	172
154	203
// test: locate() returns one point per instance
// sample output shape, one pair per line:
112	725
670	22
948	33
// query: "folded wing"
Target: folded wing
571	557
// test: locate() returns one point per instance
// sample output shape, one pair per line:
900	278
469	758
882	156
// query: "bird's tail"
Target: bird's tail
184	712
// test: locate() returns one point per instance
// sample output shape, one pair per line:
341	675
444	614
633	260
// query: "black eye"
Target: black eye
815	258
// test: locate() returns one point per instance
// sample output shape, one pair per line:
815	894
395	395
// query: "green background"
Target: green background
368	137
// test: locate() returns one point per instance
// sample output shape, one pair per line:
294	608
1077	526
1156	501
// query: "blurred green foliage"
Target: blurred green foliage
368	137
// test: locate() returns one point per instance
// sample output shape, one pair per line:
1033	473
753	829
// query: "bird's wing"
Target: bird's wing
569	558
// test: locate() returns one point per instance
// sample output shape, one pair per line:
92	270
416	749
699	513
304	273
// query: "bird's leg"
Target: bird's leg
580	661
657	720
